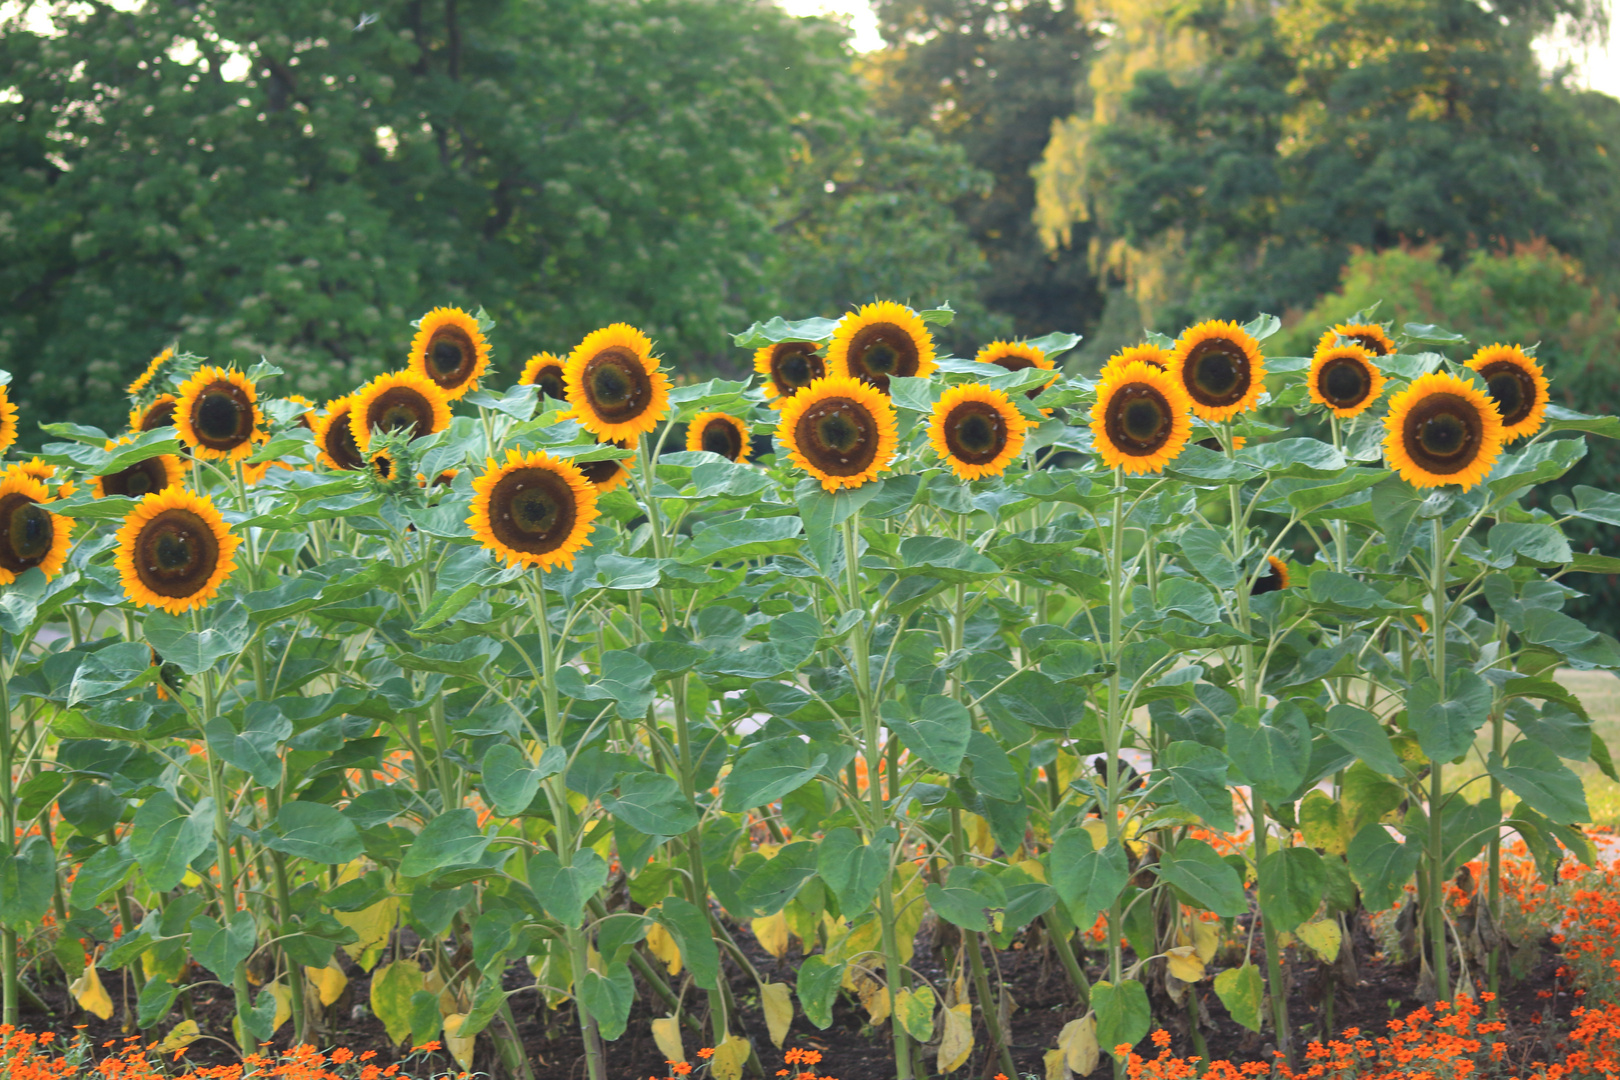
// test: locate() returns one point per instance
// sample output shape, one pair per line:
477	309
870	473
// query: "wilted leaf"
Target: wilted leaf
1323	937
772	934
729	1058
90	994
662	945
956	1043
391	990
329	981
179	1037
778	1003
1078	1044
461	1048
914	1007
666	1033
1185	963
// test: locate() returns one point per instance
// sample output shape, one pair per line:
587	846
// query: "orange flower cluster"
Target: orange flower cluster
802	1062
25	1055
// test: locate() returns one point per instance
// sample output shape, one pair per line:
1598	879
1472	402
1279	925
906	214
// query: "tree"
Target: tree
991	79
300	179
1235	156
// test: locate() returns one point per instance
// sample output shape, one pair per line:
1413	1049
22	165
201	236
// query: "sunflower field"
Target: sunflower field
654	706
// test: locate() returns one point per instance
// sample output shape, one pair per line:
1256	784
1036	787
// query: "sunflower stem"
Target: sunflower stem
1437	855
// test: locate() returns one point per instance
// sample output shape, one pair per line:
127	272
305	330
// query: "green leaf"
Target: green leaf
100	874
155	1001
769	887
164	838
937	733
1202	878
1292	884
1035	699
220	948
1562	419
1359	732
818	981
1123	1013
689	926
1241	990
652	804
853	870
607	999
565	888
195	652
966	897
767	771
943	558
314	831
1537	544
1535	774
1198	781
1343	593
990	770
1308	458
1275	754
1445	728
451	839
1088	881
779	329
255	749
742	538
27	881
1310	499
1205	550
1380	865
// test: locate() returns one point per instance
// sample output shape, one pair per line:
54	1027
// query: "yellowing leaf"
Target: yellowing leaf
909	910
1056	1069
769	849
329	981
1323	938
1185	964
875	997
666	1033
391	990
772	934
980	838
1078	1041
778	1003
1206	938
90	994
662	945
190	879
729	1058
914	1008
1033	869
1322	821
282	993
373	925
179	1037
1098	830
956	1043
460	1048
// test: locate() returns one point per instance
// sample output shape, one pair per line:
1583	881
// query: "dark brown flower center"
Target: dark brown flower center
1014	362
383	465
722	437
532	510
550	381
1138	420
616	385
838	436
340	445
1270	581
159	414
794	366
401	408
881	351
1512	388
1217	373
141	478
222	416
1373	343
451	356
176	553
26	532
1344	381
1443	433
975	432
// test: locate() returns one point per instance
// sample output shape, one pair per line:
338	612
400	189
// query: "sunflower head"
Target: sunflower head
142	478
1345	380
144	379
400	401
719	433
1275	577
390	464
34	468
976	430
449	350
444	479
880	342
334	436
174	551
160	413
609	473
1442	430
307	413
1369	336
30	535
839	430
534	509
1132	354
1518	386
546	372
615	388
1219	366
1141	420
8	418
218	415
1017	356
1214	443
788	367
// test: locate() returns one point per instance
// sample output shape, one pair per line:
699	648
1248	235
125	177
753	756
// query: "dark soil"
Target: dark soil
852	1049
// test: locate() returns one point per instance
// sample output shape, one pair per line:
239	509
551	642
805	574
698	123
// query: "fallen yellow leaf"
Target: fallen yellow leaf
1056	1069
1206	938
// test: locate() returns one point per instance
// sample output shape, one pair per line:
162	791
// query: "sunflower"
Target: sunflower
976	430
444	479
608	473
399	401
334	436
615	389
1220	367
1517	385
218	415
1018	356
1146	354
1344	378
307	418
1369	336
546	372
34	468
160	413
449	350
8	419
174	551
1141	420
1213	443
535	509
144	379
382	466
839	430
1442	430
1275	577
148	475
719	433
788	367
879	342
30	535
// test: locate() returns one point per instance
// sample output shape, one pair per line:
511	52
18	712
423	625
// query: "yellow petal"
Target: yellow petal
778	1003
1185	964
90	994
666	1033
956	1044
